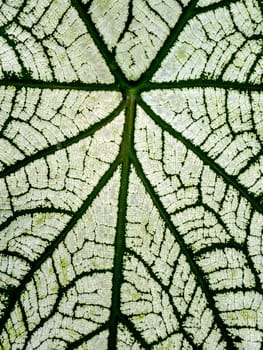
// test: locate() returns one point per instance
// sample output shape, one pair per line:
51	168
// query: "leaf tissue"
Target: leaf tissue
131	184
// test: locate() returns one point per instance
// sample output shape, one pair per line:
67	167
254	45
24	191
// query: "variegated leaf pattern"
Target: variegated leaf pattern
131	184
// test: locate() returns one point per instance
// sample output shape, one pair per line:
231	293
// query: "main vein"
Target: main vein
120	231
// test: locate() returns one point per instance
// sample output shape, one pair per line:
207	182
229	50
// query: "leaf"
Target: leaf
131	174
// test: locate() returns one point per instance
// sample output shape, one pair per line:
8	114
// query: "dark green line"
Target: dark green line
260	4
121	222
255	62
202	83
75	85
16	293
212	7
24	316
156	13
127	23
87	337
18	255
127	323
37	210
234	290
185	250
11	41
174	34
91	272
54	148
202	155
102	47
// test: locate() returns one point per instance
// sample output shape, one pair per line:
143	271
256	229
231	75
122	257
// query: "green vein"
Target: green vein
221	246
234	290
203	156
24	318
18	255
64	144
202	83
87	337
127	23
37	210
174	34
126	322
121	222
102	47
214	6
16	293
10	40
52	85
185	250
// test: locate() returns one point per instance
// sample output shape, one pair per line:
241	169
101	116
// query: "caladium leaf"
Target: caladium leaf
131	174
